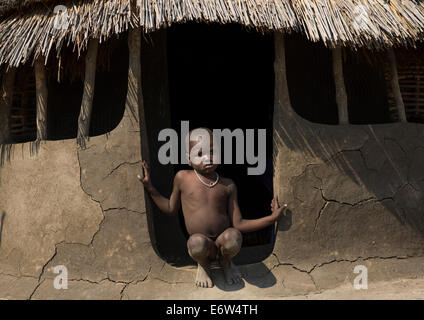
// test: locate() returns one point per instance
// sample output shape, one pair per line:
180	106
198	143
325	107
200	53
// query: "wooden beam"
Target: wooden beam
281	94
341	96
282	107
88	94
41	98
6	97
394	79
135	102
134	94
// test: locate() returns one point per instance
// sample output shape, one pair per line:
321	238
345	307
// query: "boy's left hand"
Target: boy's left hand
276	209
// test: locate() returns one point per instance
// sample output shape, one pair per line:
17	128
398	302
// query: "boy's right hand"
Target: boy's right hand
146	175
276	209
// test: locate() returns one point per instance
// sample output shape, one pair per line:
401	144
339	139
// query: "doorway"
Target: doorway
222	76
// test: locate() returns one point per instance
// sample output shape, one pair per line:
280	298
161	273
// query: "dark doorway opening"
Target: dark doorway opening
222	77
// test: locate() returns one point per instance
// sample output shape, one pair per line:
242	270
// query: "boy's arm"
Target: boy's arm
168	206
248	225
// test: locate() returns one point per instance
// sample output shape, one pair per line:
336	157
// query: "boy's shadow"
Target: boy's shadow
286	221
257	275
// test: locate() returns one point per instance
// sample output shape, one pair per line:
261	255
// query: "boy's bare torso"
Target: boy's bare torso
205	209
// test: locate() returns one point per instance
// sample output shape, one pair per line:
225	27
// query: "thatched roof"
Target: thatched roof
27	27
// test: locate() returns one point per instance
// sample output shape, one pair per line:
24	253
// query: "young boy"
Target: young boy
211	213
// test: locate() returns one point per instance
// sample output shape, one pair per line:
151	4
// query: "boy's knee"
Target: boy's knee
198	246
232	241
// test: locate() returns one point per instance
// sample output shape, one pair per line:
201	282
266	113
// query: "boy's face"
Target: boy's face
200	158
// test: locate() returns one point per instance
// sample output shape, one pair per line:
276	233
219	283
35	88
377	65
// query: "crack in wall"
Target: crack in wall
292	180
317	266
94	235
371	199
119	166
123	290
319	214
98	282
135	282
304	171
124	208
19	276
332	159
397	143
50	260
363	200
294	267
35	289
81	184
92	198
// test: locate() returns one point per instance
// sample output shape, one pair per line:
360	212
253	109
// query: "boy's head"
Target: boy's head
200	146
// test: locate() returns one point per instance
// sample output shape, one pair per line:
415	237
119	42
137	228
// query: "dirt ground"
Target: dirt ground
259	282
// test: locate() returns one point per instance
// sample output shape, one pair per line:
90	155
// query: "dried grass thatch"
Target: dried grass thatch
27	28
28	35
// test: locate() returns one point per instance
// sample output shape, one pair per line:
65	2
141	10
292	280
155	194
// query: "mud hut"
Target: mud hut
338	84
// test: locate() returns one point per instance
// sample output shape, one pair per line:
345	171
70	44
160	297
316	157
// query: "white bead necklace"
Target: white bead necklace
209	185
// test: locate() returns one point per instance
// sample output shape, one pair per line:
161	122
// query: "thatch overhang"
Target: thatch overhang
28	28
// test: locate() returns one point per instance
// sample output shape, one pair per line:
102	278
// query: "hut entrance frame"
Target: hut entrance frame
222	77
217	77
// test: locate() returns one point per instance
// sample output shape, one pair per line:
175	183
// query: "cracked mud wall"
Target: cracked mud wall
83	209
43	205
354	192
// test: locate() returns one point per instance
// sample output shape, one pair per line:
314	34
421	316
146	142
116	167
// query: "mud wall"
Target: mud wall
355	192
83	209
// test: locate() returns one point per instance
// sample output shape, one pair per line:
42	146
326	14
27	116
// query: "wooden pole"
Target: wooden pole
135	102
134	94
88	94
281	94
400	106
41	98
6	103
341	96
282	107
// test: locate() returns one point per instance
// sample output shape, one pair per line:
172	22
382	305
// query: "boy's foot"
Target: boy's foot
203	279
231	272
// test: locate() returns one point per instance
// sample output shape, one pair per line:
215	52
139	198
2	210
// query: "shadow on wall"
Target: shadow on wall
286	221
355	166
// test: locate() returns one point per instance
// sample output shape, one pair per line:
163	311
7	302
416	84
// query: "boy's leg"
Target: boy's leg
229	244
203	250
